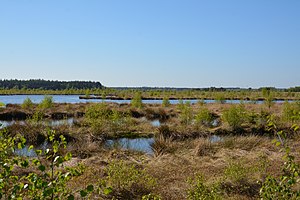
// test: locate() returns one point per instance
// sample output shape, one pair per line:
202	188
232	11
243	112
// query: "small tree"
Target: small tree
27	103
235	116
136	101
166	102
287	185
47	102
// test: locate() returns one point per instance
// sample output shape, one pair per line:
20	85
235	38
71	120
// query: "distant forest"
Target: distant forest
48	85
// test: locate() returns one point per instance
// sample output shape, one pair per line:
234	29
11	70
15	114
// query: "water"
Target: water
18	99
155	123
138	144
52	123
215	138
32	152
143	144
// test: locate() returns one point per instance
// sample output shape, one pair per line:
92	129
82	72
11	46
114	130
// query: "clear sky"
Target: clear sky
179	43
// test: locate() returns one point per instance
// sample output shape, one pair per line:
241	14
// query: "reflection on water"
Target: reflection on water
137	144
52	123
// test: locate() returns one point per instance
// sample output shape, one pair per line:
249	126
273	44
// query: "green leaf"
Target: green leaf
90	188
83	193
278	143
71	197
25	163
107	190
68	156
38	152
42	168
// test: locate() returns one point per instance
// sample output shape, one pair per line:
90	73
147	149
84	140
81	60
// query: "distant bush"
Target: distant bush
220	99
47	102
104	120
235	116
201	102
186	113
204	117
290	111
27	103
2	104
97	111
166	102
136	101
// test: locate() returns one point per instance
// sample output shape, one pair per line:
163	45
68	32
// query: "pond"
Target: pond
134	144
18	99
137	144
52	123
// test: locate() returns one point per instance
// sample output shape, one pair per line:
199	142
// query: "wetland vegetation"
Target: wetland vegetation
149	151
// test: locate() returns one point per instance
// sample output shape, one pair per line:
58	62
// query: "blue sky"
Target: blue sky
179	43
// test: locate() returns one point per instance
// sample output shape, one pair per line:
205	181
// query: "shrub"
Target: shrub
2	104
27	103
199	191
125	181
220	99
236	171
290	111
37	116
47	178
47	102
235	116
136	101
166	102
204	117
186	114
104	120
287	185
97	111
201	102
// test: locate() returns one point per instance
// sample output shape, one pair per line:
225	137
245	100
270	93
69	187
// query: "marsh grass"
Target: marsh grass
126	181
162	145
204	147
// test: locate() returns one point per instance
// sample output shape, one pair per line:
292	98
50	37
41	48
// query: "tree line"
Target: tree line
48	84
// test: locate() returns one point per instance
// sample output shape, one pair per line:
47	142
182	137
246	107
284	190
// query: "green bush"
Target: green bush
166	102
136	101
186	113
27	103
287	185
204	117
37	116
104	120
47	177
2	104
199	191
97	111
236	171
290	111
47	102
235	116
126	181
220	99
